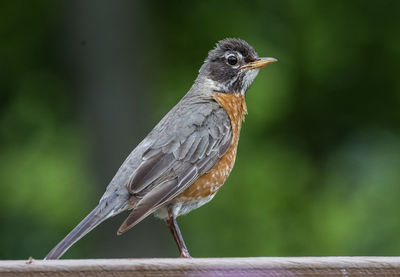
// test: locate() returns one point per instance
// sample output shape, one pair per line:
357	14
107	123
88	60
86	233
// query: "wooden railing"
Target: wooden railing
307	266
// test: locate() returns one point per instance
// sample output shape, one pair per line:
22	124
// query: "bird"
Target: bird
186	158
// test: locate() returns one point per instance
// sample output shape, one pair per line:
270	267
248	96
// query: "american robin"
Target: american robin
182	163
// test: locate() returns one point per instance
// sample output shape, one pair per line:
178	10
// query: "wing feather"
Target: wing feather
175	161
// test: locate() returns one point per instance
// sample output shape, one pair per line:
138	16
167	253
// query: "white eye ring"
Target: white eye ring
232	60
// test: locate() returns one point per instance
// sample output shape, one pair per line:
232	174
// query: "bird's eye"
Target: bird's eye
232	60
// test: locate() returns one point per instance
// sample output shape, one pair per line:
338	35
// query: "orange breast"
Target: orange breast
209	183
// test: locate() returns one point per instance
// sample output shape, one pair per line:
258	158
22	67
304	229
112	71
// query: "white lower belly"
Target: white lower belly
182	208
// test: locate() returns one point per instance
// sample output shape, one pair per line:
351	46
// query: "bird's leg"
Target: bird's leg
174	228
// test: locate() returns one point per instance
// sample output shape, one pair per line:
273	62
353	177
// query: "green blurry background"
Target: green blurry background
318	167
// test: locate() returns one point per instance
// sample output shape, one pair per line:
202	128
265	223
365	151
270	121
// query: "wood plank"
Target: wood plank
262	266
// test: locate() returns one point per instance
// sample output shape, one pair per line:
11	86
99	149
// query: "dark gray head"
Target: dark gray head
232	65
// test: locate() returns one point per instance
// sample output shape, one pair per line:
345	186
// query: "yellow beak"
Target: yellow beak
259	63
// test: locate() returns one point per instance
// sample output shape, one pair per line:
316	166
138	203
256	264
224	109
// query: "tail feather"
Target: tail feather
94	218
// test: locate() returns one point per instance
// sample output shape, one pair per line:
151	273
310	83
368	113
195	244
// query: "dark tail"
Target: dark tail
98	215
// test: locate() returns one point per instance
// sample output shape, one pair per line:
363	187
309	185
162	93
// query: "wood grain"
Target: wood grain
307	266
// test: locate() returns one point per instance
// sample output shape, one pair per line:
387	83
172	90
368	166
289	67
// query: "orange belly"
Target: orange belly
208	184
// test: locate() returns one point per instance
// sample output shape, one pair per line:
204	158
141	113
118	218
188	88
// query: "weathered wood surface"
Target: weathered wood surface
307	266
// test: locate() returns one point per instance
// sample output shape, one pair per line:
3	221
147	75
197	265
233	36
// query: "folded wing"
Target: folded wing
183	150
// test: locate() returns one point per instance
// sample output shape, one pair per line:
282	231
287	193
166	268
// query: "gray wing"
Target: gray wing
186	144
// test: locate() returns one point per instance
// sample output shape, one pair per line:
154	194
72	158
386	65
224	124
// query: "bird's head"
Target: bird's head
232	66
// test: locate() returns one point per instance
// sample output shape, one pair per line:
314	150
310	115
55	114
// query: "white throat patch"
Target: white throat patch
248	79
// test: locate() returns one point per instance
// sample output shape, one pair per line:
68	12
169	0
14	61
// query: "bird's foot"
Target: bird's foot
185	254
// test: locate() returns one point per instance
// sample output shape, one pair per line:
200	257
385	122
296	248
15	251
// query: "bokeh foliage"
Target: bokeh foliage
318	163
